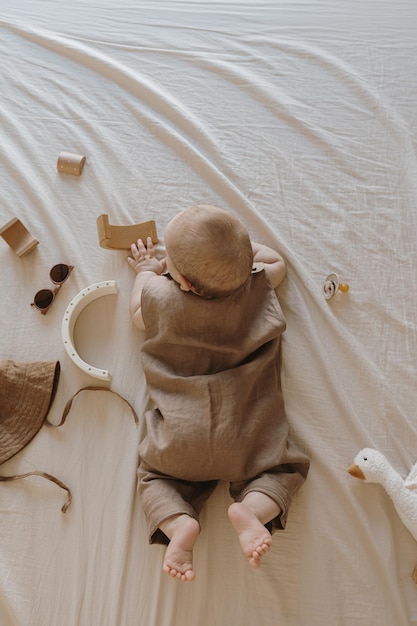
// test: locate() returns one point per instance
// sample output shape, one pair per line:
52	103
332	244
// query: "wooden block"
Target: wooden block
121	237
18	237
69	163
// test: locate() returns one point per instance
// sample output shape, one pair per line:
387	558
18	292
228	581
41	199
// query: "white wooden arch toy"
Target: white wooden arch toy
74	308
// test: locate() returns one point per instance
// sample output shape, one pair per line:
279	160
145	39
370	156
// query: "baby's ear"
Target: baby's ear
185	284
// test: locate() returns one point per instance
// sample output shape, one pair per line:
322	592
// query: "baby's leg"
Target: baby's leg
173	506
248	518
182	530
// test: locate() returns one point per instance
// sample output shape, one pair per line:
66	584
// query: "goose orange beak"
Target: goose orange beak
356	471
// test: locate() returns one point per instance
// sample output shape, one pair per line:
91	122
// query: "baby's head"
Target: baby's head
210	249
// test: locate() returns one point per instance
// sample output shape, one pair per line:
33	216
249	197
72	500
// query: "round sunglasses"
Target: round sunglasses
44	298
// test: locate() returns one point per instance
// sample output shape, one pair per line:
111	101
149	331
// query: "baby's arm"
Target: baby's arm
144	263
273	262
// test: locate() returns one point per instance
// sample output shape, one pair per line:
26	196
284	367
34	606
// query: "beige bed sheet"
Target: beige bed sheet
300	118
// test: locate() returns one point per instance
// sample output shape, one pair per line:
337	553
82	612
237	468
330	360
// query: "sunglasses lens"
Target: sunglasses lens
59	273
43	298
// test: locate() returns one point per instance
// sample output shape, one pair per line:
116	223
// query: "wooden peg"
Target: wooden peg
121	237
18	237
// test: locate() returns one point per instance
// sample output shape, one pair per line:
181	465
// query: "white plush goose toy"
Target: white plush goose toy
371	466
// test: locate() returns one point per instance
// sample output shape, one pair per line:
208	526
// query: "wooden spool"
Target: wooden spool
69	163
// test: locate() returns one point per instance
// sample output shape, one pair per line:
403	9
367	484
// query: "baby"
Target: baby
212	363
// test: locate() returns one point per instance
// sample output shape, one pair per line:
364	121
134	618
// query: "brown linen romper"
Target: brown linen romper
213	371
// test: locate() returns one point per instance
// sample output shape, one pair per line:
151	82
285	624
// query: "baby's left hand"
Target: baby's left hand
144	259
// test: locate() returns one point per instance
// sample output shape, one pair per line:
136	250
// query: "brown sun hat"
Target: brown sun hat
27	390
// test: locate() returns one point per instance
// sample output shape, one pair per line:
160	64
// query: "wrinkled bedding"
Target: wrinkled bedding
300	118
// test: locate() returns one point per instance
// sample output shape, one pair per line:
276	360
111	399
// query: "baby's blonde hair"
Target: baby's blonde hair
211	248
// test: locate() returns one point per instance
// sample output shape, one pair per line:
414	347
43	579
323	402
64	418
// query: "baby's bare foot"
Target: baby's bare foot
178	561
255	540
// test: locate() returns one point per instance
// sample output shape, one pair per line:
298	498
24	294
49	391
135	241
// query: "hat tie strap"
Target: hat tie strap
63	418
90	388
43	475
